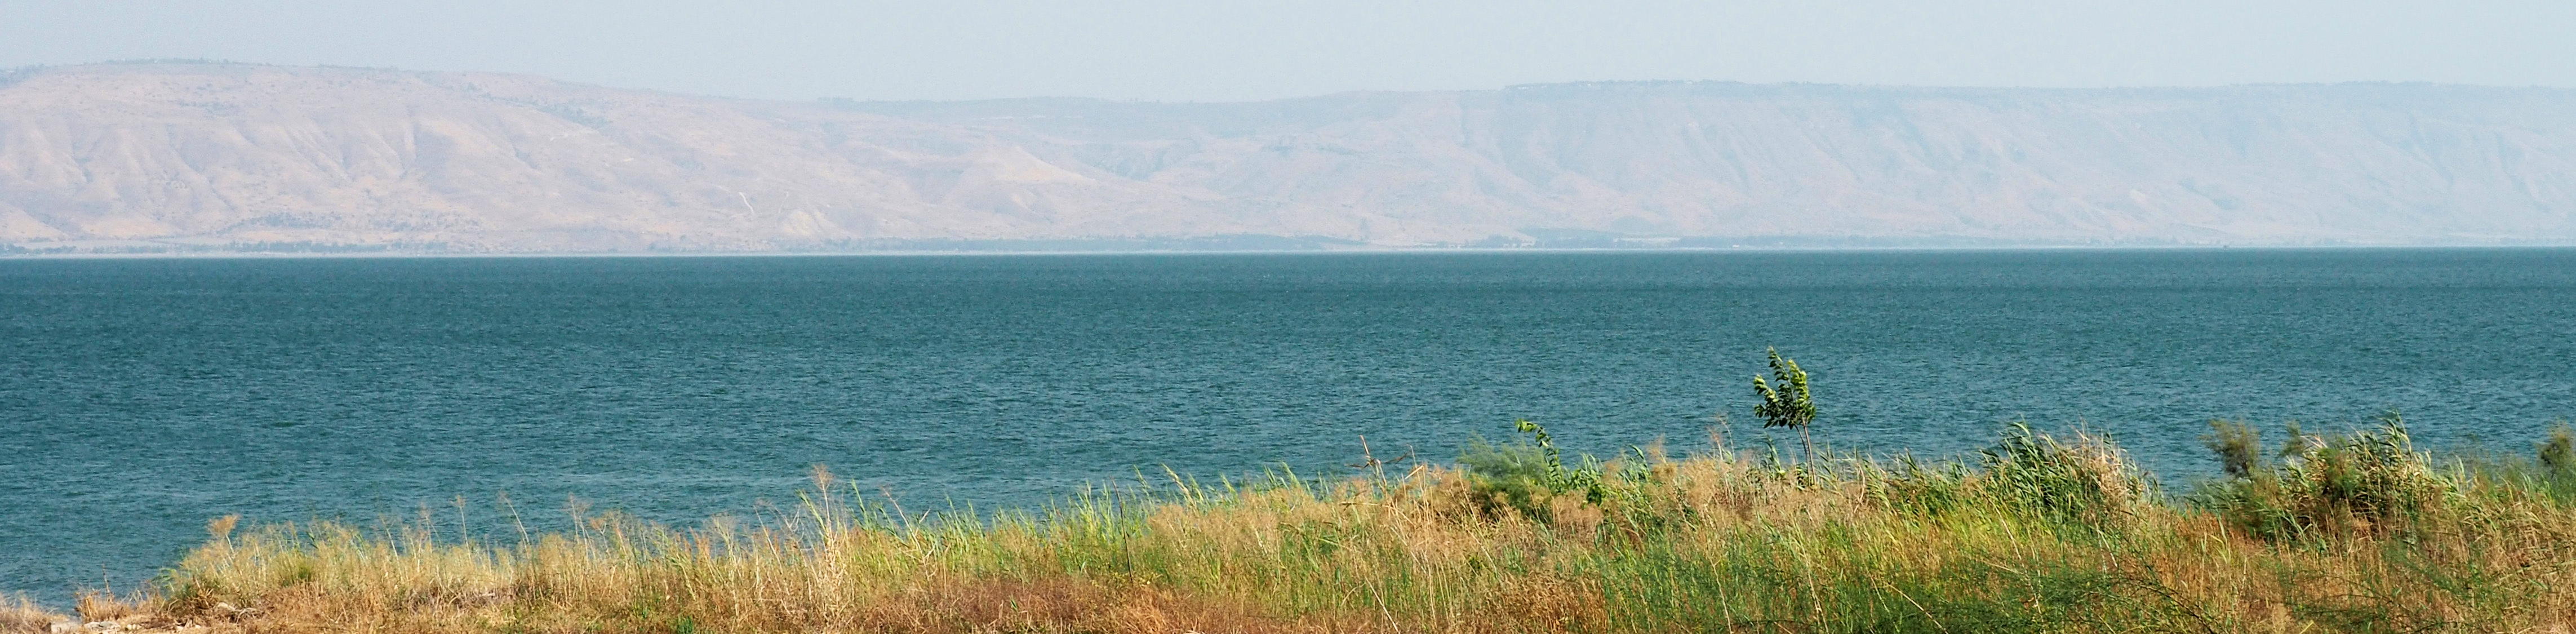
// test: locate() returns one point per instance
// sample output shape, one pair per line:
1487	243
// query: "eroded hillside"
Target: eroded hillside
211	156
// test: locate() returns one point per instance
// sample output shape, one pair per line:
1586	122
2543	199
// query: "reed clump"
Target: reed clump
2039	533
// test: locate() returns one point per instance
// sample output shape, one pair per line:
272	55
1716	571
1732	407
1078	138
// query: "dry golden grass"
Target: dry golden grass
2049	536
95	606
21	616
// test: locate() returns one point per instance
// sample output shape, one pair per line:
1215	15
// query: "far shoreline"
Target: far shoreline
2018	248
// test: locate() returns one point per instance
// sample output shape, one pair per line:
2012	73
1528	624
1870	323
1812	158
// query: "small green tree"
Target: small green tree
1787	405
2239	447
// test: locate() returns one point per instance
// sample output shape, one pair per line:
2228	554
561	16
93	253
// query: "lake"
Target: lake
141	397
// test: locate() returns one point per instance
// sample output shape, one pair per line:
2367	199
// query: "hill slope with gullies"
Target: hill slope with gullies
223	157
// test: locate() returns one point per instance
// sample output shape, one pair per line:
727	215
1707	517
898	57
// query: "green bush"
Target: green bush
1525	477
2558	454
2369	481
2239	447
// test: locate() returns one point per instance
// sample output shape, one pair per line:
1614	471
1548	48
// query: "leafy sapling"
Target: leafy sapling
1786	405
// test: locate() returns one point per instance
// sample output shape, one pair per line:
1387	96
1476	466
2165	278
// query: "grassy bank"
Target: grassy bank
2353	532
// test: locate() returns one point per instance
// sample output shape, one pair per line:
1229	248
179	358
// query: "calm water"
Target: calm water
140	397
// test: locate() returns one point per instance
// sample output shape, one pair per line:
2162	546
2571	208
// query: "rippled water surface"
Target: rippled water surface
140	397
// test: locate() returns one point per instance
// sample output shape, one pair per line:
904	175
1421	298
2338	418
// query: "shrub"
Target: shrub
1509	478
2558	454
2239	447
2364	482
1527	477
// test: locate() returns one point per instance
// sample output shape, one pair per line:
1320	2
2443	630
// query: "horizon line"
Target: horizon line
29	69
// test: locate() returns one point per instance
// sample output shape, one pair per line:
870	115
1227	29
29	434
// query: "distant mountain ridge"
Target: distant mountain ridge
228	157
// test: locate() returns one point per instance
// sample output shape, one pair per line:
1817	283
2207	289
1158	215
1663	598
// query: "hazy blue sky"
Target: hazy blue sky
1228	50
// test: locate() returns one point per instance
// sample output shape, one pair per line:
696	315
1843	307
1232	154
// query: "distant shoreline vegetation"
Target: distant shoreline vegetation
1568	240
2355	531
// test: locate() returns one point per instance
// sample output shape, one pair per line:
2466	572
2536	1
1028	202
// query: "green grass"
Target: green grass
2360	532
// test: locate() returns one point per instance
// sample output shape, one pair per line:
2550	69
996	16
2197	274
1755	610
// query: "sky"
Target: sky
1230	50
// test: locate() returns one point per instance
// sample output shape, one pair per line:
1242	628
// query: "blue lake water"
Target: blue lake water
138	398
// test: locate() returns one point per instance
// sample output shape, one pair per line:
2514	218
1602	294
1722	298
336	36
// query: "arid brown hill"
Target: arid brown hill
220	156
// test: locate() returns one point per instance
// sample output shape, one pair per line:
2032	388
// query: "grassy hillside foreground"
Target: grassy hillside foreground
2358	532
